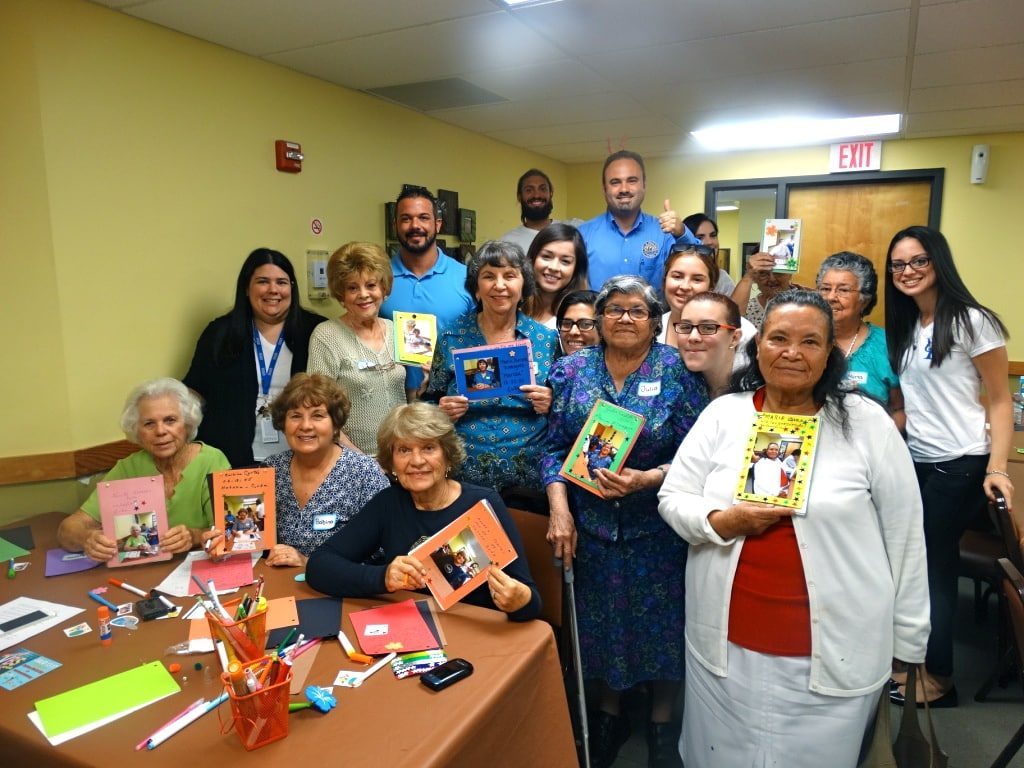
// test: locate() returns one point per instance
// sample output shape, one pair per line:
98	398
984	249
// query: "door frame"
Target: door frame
783	184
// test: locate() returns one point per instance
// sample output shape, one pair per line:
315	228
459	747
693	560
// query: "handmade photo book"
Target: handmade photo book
781	241
494	370
243	508
415	334
459	556
605	441
778	459
133	513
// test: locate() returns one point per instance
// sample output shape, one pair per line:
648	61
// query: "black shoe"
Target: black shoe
948	700
663	745
607	735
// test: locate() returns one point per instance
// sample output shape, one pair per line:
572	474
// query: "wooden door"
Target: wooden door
854	217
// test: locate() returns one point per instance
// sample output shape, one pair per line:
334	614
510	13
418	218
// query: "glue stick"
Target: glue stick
103	619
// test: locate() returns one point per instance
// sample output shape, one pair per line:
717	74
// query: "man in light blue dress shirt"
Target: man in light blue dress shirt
624	240
426	280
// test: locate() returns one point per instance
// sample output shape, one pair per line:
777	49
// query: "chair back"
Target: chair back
1013	589
533	529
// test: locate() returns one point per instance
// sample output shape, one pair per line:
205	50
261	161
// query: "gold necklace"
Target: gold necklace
849	350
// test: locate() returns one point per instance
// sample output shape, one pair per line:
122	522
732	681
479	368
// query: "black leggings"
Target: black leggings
951	492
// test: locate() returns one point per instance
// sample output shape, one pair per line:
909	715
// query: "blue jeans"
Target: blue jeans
952	495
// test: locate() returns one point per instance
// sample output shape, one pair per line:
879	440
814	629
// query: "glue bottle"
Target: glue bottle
103	619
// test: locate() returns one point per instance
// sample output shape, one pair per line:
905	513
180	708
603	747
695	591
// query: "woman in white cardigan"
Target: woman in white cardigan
792	620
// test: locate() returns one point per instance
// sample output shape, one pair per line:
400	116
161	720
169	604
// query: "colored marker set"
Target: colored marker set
412	664
259	696
241	625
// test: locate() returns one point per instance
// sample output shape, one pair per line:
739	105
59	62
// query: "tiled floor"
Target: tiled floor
972	734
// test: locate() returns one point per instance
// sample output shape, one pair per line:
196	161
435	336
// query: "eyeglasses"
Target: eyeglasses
918	263
701	250
685	328
584	324
639	314
842	291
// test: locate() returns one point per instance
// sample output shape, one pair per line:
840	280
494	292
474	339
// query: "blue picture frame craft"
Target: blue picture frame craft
494	370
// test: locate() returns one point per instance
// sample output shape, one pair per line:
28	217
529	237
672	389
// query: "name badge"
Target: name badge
649	388
324	522
857	377
267	432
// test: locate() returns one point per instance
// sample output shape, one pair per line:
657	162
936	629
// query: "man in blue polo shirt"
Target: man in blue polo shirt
624	240
426	280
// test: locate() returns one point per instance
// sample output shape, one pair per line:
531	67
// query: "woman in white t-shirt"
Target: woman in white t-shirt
945	346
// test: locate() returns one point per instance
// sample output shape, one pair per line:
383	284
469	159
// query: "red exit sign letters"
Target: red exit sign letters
855	156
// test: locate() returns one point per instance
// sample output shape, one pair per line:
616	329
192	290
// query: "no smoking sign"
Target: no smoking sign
316	226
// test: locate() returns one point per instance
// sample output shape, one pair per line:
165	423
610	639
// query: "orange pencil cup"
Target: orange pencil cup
260	717
244	640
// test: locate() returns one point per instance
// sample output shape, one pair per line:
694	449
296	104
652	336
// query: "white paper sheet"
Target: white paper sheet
22	605
56	741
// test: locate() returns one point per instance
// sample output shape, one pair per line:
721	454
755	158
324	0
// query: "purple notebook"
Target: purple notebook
60	562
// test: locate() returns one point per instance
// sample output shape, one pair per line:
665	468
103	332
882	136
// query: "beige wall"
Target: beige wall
978	219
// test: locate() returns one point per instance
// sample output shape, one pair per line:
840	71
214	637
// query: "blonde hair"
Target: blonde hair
357	258
419	421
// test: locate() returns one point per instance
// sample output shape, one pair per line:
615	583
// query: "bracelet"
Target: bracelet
996	472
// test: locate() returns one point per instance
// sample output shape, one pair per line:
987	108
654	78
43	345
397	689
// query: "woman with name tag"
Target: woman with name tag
357	349
794	616
629	577
319	484
503	434
946	346
419	447
162	417
848	282
244	358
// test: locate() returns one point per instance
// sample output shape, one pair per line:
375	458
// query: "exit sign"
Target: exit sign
855	156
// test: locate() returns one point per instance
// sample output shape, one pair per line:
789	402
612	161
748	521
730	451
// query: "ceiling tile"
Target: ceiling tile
619	25
881	36
970	24
539	80
447	49
992	119
595	130
259	27
976	65
972	96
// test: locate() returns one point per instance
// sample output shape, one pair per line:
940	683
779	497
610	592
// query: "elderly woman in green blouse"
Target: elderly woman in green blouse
162	417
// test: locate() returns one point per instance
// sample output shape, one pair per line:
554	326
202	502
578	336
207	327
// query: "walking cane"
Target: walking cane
577	661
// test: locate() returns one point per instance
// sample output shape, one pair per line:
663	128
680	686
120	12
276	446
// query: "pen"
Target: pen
102	601
259	589
286	641
198	702
183	722
127	586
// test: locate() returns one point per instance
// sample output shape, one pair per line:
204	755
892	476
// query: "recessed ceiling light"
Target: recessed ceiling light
793	131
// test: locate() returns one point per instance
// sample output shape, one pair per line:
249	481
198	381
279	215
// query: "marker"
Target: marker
102	601
167	603
251	683
286	641
197	703
183	722
222	654
127	586
209	541
11	571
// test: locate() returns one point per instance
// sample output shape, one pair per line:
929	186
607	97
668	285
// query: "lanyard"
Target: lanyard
266	374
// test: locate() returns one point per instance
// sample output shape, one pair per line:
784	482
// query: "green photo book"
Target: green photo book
604	442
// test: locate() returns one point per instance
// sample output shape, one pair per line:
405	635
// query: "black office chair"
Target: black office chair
1013	590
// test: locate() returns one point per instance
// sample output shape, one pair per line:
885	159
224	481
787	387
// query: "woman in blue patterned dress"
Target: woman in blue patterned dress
629	571
319	485
503	435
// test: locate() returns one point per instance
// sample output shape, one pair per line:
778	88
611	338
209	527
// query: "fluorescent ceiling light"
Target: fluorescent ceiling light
727	207
793	131
525	3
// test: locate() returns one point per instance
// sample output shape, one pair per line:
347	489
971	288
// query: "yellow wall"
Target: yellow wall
139	173
978	219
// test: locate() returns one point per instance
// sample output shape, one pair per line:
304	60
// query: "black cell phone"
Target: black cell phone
447	674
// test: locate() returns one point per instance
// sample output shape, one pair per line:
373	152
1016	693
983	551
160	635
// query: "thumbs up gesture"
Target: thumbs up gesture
670	221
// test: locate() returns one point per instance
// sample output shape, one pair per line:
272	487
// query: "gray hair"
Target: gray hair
188	404
499	253
861	268
632	285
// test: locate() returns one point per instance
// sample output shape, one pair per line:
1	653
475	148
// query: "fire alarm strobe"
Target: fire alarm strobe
289	156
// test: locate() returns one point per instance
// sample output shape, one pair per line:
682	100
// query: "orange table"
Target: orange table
511	712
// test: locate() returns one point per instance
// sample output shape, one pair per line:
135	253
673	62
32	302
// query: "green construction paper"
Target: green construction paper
104	698
9	550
